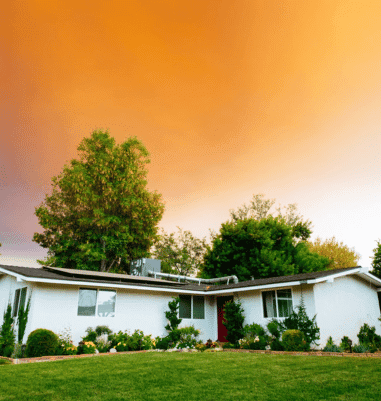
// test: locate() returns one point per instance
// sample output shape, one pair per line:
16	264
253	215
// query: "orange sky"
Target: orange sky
231	98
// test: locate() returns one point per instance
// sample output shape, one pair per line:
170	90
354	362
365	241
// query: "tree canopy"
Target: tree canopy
100	215
259	248
180	253
340	255
376	262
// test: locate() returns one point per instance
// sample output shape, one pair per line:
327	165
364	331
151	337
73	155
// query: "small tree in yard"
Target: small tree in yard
22	320
300	321
174	320
7	334
234	318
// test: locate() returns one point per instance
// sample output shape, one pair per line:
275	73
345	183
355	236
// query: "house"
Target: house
342	299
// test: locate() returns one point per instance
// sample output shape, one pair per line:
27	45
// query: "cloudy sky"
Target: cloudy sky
231	98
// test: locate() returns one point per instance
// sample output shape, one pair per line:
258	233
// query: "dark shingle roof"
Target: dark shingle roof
113	278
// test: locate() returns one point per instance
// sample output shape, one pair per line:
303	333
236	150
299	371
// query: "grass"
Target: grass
199	376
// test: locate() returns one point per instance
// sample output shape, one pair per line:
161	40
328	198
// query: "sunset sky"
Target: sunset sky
231	98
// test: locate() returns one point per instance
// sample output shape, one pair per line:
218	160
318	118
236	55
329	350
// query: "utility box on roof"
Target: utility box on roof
141	267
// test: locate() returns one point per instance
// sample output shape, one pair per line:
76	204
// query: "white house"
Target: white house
342	299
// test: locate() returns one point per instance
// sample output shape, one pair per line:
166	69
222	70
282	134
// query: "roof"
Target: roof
86	277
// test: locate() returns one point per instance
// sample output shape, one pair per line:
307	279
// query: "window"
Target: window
96	302
192	305
19	300
277	303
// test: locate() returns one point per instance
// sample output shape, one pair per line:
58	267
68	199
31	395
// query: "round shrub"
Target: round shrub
293	340
41	342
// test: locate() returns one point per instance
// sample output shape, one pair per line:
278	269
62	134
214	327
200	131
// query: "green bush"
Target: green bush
65	343
360	348
367	336
275	329
41	342
100	330
300	321
7	334
234	319
345	345
332	348
188	337
91	335
86	347
255	343
254	330
124	341
294	340
276	345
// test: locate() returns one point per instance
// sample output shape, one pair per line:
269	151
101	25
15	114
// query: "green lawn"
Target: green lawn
216	376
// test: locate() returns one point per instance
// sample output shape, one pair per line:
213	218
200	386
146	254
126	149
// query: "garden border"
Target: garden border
313	353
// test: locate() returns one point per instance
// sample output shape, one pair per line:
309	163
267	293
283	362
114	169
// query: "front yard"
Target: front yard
198	376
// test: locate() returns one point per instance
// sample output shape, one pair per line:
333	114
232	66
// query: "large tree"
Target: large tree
180	253
260	208
339	254
100	214
376	263
260	247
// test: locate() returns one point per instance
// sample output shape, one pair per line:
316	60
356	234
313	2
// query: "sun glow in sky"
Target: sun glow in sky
230	98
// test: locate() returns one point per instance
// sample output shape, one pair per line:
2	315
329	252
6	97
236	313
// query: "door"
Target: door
221	329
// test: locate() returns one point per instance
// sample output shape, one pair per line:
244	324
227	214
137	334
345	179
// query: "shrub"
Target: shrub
275	329
23	320
345	345
276	345
124	341
102	343
91	335
256	343
360	348
300	321
254	330
367	336
200	347
41	342
18	351
294	340
86	347
332	348
234	319
100	330
227	345
162	343
188	337
7	334
65	343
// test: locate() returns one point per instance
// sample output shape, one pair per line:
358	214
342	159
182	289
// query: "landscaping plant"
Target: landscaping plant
65	343
368	337
233	321
345	344
331	346
275	330
22	320
300	321
294	340
41	342
7	334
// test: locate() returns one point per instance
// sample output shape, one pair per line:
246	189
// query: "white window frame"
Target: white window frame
96	302
190	318
276	302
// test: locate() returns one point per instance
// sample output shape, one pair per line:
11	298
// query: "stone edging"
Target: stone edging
314	353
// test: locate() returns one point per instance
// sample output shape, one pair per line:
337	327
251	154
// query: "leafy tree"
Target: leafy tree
179	254
100	215
340	255
259	248
376	263
259	208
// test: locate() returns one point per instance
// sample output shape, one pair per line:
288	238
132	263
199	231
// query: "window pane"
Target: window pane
284	307
185	307
198	307
87	302
269	305
16	302
106	303
284	294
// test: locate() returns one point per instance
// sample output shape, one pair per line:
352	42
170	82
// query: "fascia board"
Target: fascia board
370	277
333	276
19	277
258	287
111	285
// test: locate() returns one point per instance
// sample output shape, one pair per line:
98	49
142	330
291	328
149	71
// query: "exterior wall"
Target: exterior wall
344	306
55	308
8	286
253	305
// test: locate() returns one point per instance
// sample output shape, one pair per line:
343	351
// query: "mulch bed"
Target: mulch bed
313	353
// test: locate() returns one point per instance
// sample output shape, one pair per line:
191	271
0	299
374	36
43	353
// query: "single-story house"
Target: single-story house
342	299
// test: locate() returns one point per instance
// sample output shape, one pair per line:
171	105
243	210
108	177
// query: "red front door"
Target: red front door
222	330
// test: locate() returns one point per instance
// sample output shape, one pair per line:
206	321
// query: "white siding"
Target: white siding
57	309
344	306
253	305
